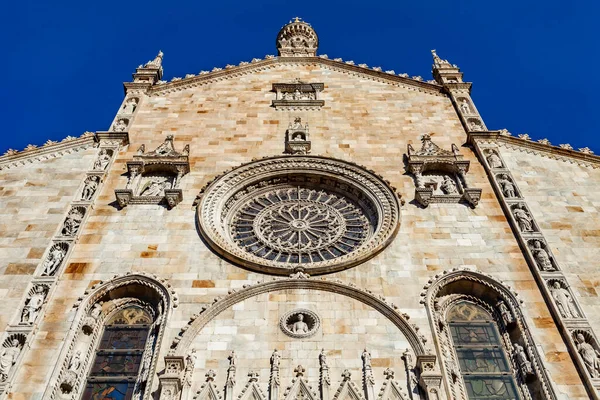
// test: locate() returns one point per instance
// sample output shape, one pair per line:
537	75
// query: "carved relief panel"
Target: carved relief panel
154	177
297	95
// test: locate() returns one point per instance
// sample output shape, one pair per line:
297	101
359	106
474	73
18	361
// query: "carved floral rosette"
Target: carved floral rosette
310	213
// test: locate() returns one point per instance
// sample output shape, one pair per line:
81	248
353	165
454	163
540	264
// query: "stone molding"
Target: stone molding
226	192
12	158
446	289
503	138
544	268
246	68
182	342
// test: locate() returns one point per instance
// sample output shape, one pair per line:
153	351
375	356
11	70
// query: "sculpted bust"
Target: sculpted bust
299	326
299	323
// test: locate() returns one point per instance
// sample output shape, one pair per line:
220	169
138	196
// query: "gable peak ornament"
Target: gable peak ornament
297	39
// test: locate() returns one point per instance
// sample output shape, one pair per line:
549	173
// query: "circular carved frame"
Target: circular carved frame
311	319
364	190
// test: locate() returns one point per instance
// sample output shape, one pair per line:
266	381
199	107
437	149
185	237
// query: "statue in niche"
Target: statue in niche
523	218
120	126
299	326
157	187
33	305
476	125
102	160
448	186
464	106
541	256
53	261
505	313
508	188
8	358
564	301
72	223
521	358
75	361
589	356
89	188
275	359
130	106
297	94
493	159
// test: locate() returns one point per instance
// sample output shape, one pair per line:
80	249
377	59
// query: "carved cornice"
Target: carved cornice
530	146
245	68
49	150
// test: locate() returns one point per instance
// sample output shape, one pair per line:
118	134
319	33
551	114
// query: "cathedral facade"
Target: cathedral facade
299	227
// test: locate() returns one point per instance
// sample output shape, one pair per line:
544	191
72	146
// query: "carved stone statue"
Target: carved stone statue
75	362
102	160
505	313
522	361
89	188
33	305
464	106
508	188
120	126
72	223
157	187
130	106
299	326
55	257
275	358
8	358
564	301
448	186
493	159
541	256
96	310
475	125
297	123
589	355
523	218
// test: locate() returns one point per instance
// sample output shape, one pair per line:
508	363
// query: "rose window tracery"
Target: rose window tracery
280	214
300	225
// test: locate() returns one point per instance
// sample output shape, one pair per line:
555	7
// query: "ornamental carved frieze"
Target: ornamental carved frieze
154	177
440	175
298	95
305	213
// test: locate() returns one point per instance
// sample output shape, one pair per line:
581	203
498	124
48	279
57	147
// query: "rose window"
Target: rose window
283	214
300	225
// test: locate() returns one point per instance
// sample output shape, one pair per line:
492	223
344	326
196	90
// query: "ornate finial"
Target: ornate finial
323	358
157	62
253	376
231	358
210	375
437	61
299	370
297	39
366	357
346	375
388	373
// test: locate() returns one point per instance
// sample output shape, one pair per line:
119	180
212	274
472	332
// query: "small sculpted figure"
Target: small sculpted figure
564	301
102	161
120	126
541	256
521	358
91	184
589	356
464	106
130	106
8	358
448	186
300	326
157	187
523	219
494	160
508	188
33	305
55	257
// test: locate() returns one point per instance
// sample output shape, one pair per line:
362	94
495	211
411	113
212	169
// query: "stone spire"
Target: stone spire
151	72
444	72
297	39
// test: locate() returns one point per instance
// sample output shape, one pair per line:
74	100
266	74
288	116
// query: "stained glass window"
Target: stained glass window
118	356
482	359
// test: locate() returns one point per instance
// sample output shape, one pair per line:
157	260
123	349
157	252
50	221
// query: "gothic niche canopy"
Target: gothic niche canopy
298	213
440	175
297	140
297	39
154	177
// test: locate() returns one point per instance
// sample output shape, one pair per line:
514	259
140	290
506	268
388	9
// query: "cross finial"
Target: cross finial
346	375
389	373
297	19
299	371
210	375
253	375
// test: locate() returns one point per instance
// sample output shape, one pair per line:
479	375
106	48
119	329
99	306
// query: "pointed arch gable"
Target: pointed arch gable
99	305
182	343
451	287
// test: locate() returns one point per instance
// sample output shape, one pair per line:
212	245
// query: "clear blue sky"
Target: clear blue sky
534	65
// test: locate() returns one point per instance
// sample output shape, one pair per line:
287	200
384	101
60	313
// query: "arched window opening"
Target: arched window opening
119	363
483	362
